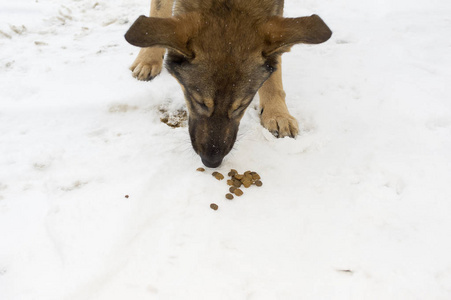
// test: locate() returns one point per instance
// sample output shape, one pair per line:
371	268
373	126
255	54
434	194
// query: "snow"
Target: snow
356	207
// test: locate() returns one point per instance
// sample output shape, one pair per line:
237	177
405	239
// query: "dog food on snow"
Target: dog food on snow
236	180
247	179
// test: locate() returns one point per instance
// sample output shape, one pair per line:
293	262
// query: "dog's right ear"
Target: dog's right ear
171	33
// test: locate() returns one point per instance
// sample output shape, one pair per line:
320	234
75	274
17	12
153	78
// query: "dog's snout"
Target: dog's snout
212	138
212	161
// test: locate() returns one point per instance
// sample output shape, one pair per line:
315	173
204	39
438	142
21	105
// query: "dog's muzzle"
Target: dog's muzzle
211	161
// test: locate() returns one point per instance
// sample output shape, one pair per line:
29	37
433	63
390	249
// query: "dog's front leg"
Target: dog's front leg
149	61
274	112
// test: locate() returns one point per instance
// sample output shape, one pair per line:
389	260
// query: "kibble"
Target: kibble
126	196
230	182
214	206
247	183
232	189
200	169
258	183
236	183
238	192
232	172
218	175
229	196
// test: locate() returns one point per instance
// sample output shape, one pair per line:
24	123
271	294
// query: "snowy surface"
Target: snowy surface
357	207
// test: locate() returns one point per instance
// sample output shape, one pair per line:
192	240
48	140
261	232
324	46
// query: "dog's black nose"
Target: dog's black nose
211	162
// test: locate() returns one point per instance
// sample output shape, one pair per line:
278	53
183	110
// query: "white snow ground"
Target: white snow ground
357	207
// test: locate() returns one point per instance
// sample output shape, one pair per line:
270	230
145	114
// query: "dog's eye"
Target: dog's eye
177	60
237	112
202	104
201	108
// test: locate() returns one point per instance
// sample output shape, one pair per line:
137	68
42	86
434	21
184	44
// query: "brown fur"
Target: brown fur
222	52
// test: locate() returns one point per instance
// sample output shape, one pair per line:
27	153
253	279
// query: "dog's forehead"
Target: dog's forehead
224	75
226	60
227	35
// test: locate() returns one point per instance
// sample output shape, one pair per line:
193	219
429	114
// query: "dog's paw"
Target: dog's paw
146	71
148	64
280	124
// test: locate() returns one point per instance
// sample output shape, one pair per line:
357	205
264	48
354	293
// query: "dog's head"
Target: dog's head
221	62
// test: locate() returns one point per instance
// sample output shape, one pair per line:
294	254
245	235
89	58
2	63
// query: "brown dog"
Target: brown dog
222	52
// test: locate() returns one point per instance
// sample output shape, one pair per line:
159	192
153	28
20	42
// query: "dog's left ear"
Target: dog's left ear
282	33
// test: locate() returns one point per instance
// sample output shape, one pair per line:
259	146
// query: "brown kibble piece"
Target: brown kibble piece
229	182
258	183
236	183
200	169
229	196
239	176
256	176
247	183
214	206
232	189
238	192
126	196
232	172
218	175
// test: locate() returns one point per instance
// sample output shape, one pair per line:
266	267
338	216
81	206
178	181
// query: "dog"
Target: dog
222	52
